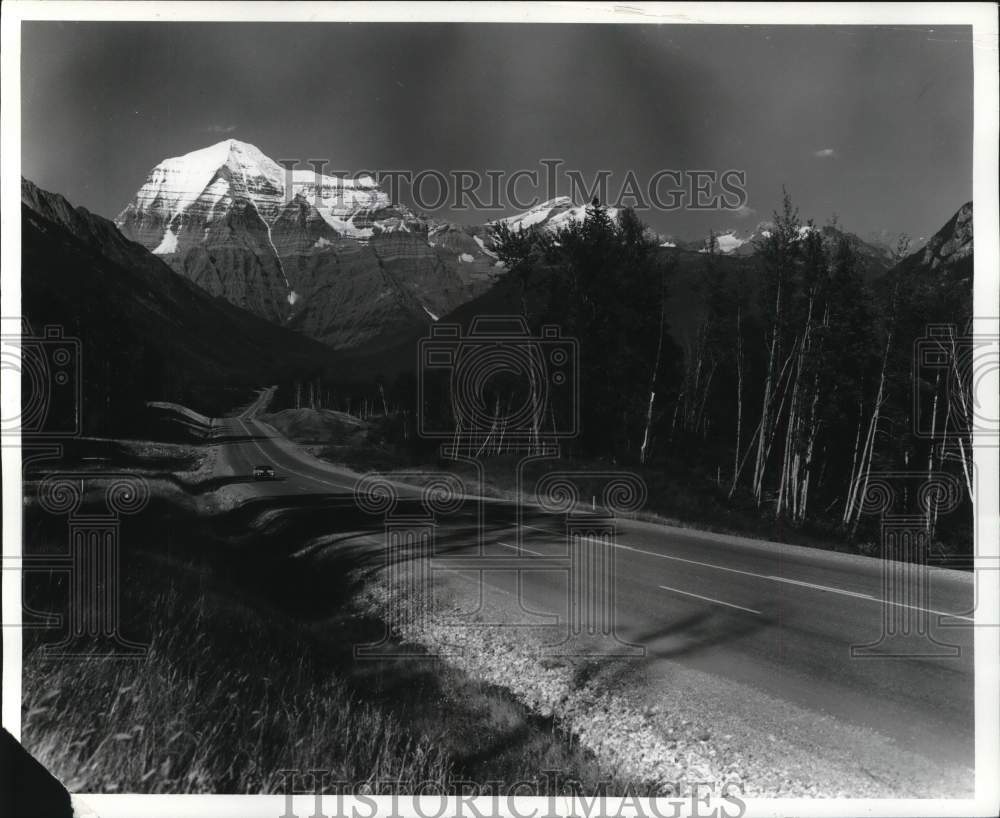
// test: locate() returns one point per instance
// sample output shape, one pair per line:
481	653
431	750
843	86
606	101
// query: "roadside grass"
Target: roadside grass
204	713
146	456
242	679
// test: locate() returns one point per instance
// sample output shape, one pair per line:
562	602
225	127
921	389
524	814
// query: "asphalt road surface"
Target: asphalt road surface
781	619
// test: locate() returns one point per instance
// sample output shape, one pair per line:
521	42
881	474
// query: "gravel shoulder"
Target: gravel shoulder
659	724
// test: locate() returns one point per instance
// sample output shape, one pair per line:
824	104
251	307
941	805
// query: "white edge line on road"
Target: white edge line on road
709	599
522	548
799	582
774	578
545	530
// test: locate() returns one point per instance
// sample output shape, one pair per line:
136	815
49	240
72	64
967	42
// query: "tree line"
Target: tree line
795	386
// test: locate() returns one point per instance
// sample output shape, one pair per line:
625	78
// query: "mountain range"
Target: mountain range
333	257
213	280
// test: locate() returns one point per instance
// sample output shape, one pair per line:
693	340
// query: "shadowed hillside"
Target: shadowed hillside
146	333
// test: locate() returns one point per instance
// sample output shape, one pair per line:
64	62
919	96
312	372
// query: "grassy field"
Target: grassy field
222	701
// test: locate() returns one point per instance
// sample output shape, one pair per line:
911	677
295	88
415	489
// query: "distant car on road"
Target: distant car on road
263	473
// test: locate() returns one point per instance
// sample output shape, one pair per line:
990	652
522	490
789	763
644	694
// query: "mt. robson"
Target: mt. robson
341	264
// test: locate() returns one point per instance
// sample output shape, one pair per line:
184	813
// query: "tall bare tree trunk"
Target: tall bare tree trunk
739	395
765	424
795	436
781	387
814	424
700	422
653	378
758	433
849	500
968	421
932	505
865	466
673	421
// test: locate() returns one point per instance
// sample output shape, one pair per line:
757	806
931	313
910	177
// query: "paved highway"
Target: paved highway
770	627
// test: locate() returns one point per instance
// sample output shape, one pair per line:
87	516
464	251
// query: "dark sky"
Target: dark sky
871	124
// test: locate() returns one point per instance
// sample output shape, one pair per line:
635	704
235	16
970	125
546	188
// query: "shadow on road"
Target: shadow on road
223	439
701	631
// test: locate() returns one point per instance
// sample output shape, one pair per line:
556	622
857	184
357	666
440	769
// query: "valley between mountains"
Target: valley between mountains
236	319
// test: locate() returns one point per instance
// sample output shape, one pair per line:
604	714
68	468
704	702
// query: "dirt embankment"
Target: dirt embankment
319	427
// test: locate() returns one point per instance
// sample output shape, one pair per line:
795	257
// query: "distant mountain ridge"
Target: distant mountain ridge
953	243
946	260
550	215
948	255
334	258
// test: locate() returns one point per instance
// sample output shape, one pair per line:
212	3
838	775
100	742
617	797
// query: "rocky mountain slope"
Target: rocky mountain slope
332	257
949	250
145	332
875	258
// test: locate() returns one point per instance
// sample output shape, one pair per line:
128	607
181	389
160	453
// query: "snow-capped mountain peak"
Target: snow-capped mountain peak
333	254
228	167
191	192
551	215
741	242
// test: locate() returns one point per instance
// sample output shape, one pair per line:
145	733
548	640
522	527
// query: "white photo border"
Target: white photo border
983	19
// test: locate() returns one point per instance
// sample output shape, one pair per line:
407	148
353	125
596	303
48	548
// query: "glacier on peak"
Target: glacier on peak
168	245
551	215
200	187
